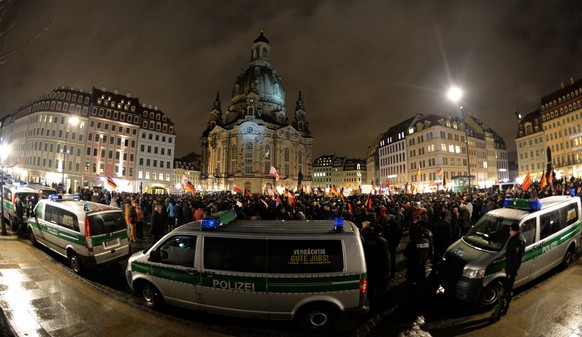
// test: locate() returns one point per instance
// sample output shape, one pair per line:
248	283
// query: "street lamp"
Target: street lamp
73	120
455	94
4	151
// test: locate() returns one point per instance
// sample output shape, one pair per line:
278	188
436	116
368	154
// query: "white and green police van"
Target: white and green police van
87	233
10	193
312	271
472	267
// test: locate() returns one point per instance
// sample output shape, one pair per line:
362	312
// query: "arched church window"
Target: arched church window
267	152
249	150
250	111
233	153
287	154
300	126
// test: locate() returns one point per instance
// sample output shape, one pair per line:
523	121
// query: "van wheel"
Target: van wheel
32	237
318	317
568	258
489	296
151	295
74	263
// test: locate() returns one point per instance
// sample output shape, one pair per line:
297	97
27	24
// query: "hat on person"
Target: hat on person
515	227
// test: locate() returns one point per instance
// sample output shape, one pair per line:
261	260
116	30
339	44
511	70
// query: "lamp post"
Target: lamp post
455	94
4	151
73	120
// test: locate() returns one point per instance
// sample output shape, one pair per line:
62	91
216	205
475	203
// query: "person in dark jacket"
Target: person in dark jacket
514	250
417	252
377	257
157	229
392	232
441	237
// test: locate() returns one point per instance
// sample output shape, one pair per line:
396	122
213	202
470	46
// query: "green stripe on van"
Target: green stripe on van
77	238
530	254
261	284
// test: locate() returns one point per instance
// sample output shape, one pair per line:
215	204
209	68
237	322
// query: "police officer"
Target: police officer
377	256
417	252
514	250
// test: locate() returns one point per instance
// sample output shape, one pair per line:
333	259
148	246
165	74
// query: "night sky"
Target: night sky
362	66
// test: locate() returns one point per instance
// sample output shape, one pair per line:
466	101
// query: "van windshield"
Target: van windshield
103	223
490	232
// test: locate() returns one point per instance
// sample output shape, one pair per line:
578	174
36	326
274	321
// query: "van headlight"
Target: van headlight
473	273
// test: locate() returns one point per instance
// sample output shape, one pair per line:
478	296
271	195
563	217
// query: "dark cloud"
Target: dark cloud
362	66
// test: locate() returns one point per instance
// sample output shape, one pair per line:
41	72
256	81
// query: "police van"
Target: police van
10	193
472	267
87	233
312	271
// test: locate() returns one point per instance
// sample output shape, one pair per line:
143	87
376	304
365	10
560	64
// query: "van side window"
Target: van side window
51	214
38	210
178	250
246	255
68	220
571	213
528	230
305	256
554	221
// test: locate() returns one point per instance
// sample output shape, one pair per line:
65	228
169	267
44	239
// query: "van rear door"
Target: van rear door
107	234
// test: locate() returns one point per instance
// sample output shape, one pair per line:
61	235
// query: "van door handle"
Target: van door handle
209	274
190	271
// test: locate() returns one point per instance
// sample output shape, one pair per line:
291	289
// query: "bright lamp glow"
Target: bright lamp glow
455	94
4	151
74	120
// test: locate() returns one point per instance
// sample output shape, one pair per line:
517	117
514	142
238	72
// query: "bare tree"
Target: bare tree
4	50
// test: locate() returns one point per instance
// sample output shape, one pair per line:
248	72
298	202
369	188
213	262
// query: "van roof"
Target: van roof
274	227
79	205
517	214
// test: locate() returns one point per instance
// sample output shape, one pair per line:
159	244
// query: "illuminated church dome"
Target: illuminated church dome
258	90
240	146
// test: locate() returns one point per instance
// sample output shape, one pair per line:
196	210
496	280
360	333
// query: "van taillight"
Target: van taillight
363	286
88	241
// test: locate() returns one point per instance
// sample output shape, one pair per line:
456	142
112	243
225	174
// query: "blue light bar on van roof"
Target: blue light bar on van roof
338	224
55	197
523	204
210	223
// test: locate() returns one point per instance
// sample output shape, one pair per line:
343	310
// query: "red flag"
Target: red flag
273	173
111	183
237	189
333	190
387	182
350	207
189	187
526	182
550	178
369	202
543	182
440	172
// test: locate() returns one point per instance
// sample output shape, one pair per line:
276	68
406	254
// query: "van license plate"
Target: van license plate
110	243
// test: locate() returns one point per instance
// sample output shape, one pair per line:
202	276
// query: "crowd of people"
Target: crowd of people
432	220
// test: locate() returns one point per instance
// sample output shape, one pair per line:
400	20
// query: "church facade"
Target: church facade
240	146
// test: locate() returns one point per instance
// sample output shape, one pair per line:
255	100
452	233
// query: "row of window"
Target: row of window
554	113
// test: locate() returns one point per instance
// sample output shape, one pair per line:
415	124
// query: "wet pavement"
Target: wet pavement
41	296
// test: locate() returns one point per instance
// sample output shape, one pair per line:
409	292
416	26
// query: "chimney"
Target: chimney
128	95
571	80
562	85
156	108
116	92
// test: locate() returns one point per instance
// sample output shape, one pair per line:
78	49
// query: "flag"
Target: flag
299	179
373	186
333	190
273	173
526	182
264	203
185	179
237	189
544	181
111	183
189	187
291	198
551	178
445	179
387	182
369	202
440	172
350	207
418	172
